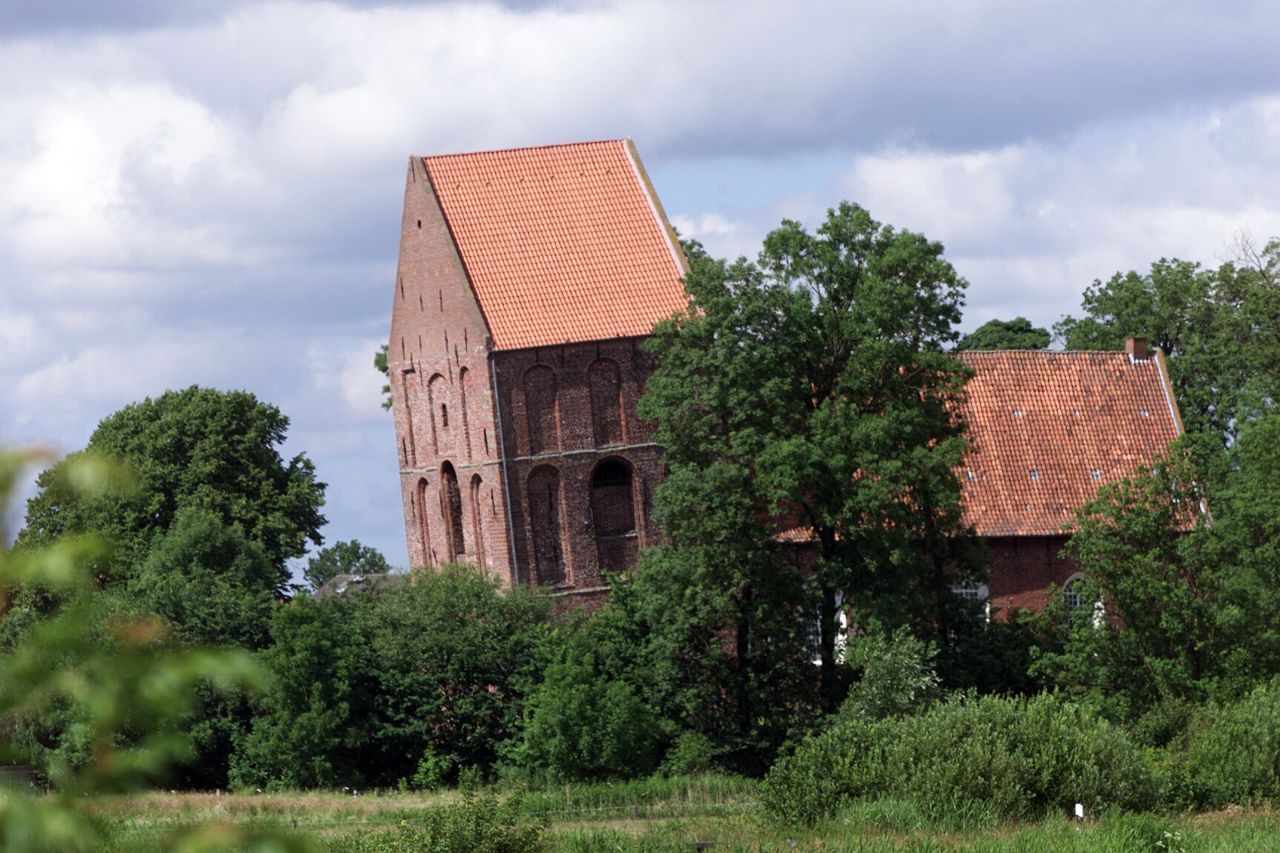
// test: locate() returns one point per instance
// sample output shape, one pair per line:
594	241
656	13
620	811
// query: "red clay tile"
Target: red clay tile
562	243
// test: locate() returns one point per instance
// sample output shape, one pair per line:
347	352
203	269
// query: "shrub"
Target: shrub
481	823
581	727
1232	752
966	760
366	683
898	675
692	753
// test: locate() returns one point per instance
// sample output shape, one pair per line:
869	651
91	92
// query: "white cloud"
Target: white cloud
210	193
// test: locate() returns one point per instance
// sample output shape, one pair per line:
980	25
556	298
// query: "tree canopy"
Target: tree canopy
811	389
1017	333
344	558
197	448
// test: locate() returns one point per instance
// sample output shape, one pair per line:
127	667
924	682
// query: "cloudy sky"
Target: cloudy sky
209	192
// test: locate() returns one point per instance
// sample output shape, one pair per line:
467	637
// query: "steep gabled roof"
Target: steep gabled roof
1046	429
561	243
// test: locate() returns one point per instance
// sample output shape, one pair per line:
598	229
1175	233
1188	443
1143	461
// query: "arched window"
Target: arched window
477	523
435	408
420	509
540	408
606	401
613	515
544	524
452	499
409	385
463	376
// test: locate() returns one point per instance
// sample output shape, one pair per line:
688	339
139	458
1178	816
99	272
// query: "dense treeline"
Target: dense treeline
713	654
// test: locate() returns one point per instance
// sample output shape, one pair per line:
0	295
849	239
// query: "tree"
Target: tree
1189	578
114	675
344	558
200	449
812	388
1017	333
367	685
380	365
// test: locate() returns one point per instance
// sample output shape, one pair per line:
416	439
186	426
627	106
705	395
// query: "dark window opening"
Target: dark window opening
444	415
452	511
613	515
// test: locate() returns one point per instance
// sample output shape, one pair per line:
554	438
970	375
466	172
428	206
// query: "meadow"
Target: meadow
705	812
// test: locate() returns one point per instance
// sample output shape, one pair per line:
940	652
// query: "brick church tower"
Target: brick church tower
526	280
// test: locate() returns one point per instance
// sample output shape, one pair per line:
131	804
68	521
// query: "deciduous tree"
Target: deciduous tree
811	388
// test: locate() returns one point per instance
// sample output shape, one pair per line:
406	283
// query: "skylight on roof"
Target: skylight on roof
1095	473
1035	473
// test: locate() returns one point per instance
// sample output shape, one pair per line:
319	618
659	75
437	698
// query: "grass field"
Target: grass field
711	812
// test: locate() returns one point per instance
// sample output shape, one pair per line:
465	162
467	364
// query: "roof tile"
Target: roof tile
1075	419
562	243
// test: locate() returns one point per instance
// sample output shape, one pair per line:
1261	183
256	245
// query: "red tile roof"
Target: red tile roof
1047	428
562	243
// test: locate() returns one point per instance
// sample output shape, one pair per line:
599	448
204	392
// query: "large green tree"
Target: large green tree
1017	333
197	448
812	388
344	558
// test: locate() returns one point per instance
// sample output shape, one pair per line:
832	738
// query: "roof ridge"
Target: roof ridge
518	148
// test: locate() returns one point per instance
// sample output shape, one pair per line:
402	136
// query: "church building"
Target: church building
527	280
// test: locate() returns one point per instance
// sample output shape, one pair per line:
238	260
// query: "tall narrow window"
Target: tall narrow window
463	376
540	408
613	515
435	402
544	524
409	382
424	532
452	500
606	401
477	522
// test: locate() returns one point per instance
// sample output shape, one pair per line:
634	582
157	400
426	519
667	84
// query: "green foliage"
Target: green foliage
898	675
344	558
366	684
579	727
1192	598
209	581
823	358
480	822
693	753
192	449
1017	333
967	760
380	365
1231	754
112	675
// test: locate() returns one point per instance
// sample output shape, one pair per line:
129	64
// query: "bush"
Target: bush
1232	752
967	761
581	727
898	675
480	823
366	684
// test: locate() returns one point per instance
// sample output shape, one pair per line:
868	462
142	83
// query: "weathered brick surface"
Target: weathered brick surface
574	452
1020	570
443	368
439	364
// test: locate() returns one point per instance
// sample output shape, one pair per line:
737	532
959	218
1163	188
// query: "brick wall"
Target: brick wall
1020	569
442	397
567	412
